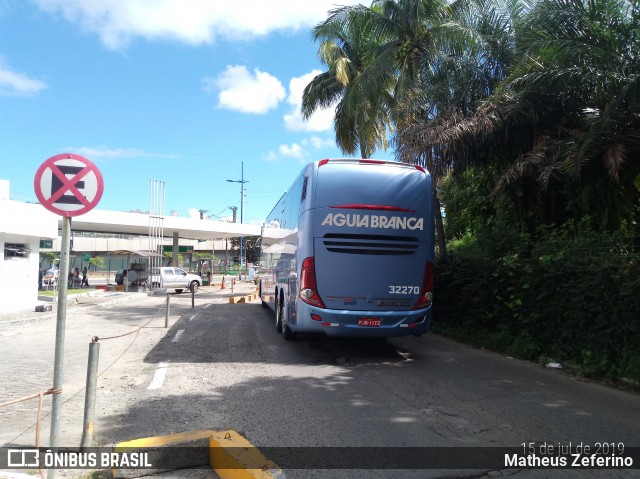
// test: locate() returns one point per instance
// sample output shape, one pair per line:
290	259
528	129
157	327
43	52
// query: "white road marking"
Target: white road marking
158	377
406	356
176	338
193	317
206	306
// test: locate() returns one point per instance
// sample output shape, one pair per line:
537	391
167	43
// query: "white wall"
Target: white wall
19	276
22	223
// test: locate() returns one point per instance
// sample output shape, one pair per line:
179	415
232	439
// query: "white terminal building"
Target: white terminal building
23	226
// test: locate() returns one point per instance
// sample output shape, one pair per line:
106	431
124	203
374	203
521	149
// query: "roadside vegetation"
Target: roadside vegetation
527	114
70	291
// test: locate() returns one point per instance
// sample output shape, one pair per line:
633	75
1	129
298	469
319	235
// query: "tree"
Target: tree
49	257
566	116
362	117
96	262
423	46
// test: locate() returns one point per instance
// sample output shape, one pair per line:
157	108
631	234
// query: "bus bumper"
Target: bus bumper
334	322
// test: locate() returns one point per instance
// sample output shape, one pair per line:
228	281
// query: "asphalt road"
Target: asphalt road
223	366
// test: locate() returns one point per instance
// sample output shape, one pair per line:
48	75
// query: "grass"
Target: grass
69	291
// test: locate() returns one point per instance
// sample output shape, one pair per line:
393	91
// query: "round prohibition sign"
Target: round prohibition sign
68	184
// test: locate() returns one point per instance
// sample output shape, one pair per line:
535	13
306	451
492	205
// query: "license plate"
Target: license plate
369	322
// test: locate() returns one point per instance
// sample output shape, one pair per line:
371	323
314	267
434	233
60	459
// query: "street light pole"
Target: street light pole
242	181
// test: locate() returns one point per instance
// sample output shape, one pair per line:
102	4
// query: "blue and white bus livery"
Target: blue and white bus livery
349	250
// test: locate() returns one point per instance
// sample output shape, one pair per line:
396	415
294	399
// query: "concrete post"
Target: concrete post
90	394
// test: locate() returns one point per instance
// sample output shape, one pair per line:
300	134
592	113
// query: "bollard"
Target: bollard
90	394
193	300
166	314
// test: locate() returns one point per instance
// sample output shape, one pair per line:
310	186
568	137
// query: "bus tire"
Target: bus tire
287	334
278	314
264	304
285	330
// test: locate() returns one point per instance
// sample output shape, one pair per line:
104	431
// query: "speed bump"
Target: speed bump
233	457
230	454
242	299
193	452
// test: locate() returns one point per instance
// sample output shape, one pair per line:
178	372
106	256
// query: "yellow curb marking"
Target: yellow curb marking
230	454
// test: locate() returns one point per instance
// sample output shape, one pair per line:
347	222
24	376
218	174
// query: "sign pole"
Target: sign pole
68	185
60	330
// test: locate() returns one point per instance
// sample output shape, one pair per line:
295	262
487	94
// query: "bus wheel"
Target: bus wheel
264	304
279	311
285	330
287	334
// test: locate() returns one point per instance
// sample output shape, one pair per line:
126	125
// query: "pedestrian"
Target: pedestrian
77	279
85	277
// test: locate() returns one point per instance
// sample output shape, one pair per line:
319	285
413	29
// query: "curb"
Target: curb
121	298
243	299
228	453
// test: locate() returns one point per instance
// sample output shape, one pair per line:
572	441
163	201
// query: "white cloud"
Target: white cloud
303	151
14	83
321	120
104	153
293	151
118	22
319	143
240	90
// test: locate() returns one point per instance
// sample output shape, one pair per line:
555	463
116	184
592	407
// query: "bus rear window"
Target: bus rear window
349	184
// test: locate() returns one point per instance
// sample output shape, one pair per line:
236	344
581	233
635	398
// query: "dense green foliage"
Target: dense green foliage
566	292
527	114
97	262
570	306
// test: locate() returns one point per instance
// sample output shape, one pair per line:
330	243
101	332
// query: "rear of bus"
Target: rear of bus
366	250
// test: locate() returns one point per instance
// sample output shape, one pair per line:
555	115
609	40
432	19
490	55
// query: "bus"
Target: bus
348	251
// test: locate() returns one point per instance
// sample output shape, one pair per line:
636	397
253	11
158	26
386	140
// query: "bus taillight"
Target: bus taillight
426	293
308	287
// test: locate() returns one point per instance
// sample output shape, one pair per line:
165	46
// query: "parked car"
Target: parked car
50	277
174	278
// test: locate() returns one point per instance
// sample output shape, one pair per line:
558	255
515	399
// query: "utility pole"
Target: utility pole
242	181
226	246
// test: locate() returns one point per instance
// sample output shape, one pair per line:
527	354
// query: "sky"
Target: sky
191	93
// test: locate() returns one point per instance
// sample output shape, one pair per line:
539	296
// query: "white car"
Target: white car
174	278
50	277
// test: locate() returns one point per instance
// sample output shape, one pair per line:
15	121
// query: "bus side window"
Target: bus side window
304	189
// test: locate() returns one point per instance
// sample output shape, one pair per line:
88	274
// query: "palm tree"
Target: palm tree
431	51
474	58
572	100
361	118
569	110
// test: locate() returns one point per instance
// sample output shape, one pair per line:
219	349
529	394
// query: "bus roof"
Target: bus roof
369	162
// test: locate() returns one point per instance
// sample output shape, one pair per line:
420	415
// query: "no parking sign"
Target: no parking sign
68	185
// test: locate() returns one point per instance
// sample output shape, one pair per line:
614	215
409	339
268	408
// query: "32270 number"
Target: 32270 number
404	289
